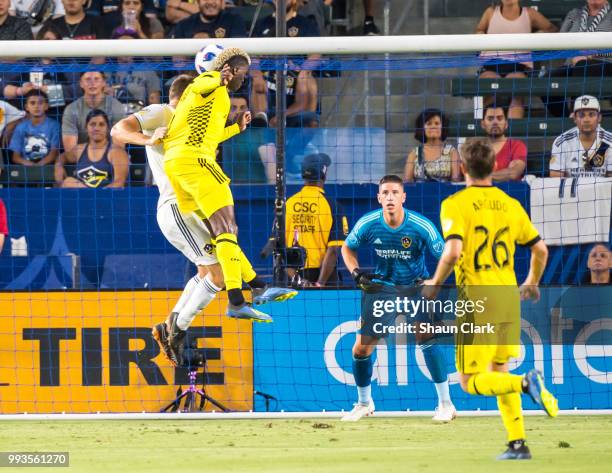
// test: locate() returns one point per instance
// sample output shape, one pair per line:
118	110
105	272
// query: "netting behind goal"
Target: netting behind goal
85	273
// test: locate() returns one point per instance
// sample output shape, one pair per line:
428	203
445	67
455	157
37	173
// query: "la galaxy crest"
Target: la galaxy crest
406	242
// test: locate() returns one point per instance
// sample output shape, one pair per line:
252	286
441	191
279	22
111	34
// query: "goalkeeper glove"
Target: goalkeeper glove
366	281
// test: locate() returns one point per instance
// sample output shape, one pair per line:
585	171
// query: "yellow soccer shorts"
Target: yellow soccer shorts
200	185
472	359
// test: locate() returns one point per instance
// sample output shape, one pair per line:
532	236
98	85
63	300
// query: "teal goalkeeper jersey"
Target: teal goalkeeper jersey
400	252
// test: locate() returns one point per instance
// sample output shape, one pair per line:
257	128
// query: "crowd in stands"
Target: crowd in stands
33	104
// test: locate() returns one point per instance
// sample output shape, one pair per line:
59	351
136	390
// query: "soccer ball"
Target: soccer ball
206	56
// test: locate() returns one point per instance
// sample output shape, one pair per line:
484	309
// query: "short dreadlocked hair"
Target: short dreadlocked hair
227	55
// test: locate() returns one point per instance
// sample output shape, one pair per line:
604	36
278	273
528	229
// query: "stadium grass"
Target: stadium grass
565	444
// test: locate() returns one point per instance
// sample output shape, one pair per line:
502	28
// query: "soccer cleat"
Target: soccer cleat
359	410
540	395
176	340
517	450
160	334
273	294
445	412
245	311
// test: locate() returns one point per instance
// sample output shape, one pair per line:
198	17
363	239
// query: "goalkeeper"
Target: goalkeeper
400	238
196	129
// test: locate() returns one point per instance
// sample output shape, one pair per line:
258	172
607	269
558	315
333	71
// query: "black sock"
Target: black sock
235	296
256	283
369	19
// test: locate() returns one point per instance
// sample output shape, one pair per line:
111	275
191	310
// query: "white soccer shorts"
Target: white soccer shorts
187	233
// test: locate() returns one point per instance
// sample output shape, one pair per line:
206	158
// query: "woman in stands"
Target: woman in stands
510	17
99	163
131	18
599	265
433	158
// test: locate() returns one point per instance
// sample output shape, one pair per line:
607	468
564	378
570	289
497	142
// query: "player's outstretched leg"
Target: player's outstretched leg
262	293
534	386
436	364
362	371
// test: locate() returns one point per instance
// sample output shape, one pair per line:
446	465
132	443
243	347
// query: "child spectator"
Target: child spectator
36	140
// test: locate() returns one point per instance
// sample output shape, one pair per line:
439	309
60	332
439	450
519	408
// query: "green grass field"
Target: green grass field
380	445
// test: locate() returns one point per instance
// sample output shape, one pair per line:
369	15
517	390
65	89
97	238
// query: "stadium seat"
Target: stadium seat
556	10
554	86
467	125
29	175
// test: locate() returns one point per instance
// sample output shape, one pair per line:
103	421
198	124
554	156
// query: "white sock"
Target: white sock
203	293
443	392
186	294
364	394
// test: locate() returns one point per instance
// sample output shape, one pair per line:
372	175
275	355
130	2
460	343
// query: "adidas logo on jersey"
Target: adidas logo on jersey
377	241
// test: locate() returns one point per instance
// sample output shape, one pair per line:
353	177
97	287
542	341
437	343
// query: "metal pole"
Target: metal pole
386	11
281	107
425	16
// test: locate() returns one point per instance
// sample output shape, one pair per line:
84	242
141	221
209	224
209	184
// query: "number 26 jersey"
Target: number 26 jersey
490	223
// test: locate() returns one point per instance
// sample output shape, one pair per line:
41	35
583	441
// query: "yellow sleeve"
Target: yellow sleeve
206	82
451	221
230	131
528	234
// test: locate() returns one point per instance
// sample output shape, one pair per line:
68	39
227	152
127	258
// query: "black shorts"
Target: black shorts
503	68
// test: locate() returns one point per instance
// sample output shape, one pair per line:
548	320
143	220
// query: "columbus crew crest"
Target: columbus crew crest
406	242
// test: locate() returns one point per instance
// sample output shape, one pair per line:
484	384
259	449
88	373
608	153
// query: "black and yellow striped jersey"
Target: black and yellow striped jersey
198	124
490	223
314	222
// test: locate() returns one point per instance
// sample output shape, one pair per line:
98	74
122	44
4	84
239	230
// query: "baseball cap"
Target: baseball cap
314	166
586	102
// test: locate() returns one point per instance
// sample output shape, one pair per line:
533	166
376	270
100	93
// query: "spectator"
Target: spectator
315	11
510	17
594	16
510	154
131	17
135	89
433	158
60	87
36	140
3	225
76	24
210	17
244	157
93	84
178	10
12	28
36	12
99	163
301	86
316	223
586	149
599	264
104	7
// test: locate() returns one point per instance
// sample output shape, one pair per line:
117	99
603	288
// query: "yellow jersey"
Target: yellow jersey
315	223
198	124
490	223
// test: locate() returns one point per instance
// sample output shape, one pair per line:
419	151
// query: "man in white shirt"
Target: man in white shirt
586	149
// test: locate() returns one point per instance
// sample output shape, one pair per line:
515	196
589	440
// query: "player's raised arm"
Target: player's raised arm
128	131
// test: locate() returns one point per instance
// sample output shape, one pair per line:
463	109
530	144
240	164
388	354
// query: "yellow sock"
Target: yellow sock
248	273
494	383
228	254
512	416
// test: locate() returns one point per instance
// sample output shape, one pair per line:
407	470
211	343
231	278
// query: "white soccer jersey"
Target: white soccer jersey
569	156
150	118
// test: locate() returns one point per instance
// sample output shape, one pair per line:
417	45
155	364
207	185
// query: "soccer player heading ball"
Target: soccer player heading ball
481	225
190	145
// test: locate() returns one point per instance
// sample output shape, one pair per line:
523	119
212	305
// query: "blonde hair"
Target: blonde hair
226	55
